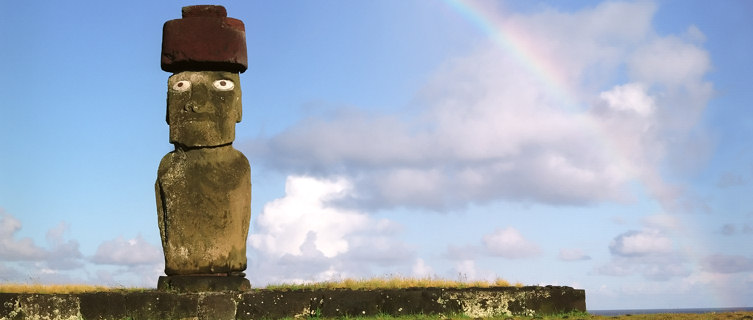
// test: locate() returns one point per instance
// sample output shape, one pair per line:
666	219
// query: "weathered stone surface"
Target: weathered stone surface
204	39
203	283
485	302
203	108
217	307
206	10
276	304
39	306
103	305
203	188
161	305
204	209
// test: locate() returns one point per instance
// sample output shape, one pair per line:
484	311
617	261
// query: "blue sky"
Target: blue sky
600	145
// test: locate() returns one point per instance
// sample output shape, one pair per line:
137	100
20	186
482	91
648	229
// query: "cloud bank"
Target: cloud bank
302	237
487	127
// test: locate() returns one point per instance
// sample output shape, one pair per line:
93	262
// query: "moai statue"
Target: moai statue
203	187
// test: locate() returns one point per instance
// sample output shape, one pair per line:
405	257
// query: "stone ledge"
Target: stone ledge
274	304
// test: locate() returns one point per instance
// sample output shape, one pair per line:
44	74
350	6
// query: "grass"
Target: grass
59	288
391	282
394	282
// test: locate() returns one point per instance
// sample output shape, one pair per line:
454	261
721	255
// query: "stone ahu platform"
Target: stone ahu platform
275	304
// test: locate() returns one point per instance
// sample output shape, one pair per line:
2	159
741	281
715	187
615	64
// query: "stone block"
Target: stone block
204	39
196	283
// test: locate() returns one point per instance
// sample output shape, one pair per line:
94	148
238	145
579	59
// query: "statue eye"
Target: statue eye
183	85
224	85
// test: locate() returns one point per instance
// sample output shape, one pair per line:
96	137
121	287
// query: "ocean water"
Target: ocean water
644	311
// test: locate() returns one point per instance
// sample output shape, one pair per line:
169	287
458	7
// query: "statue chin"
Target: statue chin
202	133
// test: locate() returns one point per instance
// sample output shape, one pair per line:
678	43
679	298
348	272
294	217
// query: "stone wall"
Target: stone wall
274	304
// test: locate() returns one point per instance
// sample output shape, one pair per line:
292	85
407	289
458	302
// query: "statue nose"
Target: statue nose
198	103
196	107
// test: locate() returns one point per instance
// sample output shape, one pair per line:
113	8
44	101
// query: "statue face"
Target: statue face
203	107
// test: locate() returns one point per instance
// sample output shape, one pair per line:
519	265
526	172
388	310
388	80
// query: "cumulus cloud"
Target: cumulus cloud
641	243
629	97
649	253
490	127
509	243
62	254
303	237
12	249
131	252
572	255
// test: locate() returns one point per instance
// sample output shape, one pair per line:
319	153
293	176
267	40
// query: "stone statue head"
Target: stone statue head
205	50
203	107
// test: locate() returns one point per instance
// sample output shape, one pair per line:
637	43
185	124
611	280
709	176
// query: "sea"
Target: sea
645	311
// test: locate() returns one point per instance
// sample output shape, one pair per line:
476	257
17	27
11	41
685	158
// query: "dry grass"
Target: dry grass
57	288
392	283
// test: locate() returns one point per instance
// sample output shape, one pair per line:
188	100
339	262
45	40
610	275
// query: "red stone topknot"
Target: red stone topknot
205	39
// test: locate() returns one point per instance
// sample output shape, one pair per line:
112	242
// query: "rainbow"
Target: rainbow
516	43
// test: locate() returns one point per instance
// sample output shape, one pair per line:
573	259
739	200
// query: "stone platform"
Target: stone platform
202	283
275	304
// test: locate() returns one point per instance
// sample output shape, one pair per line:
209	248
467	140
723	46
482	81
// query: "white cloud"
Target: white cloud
669	61
629	97
12	249
62	255
285	223
304	237
131	252
466	270
572	255
641	243
492	126
649	253
421	269
509	243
